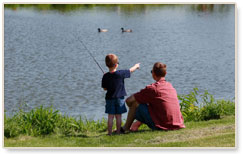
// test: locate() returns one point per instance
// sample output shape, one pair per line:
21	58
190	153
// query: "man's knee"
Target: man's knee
132	104
130	100
129	104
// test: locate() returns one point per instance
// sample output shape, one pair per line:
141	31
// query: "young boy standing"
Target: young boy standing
113	82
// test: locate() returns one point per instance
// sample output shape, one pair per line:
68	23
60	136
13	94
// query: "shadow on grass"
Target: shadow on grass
114	133
148	130
134	132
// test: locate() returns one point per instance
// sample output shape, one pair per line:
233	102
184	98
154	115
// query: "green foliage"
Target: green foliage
226	107
189	106
39	121
69	126
210	111
11	126
44	120
206	109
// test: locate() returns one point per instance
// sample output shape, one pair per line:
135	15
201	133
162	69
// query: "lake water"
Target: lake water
46	64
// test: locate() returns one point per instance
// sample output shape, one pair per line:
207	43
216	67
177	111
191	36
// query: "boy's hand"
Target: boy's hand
136	66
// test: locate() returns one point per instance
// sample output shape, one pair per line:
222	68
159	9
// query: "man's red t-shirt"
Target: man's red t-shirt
163	104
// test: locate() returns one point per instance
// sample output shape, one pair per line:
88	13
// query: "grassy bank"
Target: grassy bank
212	133
44	126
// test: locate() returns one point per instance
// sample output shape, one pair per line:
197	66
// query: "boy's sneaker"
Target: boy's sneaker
122	131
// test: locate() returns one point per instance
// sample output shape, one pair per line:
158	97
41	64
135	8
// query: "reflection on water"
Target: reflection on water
45	63
210	7
126	8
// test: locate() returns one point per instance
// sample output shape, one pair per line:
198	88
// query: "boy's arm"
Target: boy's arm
136	66
103	83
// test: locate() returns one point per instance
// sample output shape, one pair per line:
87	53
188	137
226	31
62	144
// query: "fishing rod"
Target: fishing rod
91	55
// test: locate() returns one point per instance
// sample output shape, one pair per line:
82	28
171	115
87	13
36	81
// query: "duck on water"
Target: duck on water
102	30
126	30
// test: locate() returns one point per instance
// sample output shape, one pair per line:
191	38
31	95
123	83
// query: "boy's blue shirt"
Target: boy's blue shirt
114	83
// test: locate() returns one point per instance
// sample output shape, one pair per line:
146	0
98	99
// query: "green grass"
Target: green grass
212	133
46	127
45	120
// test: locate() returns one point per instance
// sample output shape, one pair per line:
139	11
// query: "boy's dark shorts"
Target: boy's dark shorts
115	106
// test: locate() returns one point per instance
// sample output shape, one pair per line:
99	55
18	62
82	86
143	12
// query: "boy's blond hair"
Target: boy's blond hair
111	60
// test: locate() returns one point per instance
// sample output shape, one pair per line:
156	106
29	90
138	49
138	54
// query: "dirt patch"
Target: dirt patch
24	138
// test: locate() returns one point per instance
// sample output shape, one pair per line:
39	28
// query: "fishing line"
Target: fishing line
91	55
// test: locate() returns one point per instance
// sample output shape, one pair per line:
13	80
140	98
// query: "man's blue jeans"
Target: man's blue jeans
142	115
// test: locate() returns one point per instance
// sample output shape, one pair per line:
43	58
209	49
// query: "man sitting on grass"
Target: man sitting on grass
156	105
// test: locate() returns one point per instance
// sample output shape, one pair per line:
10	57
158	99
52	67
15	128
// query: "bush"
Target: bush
11	126
68	126
189	106
210	111
226	107
44	121
207	109
39	121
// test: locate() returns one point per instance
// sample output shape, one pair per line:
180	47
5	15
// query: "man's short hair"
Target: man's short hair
111	60
159	69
